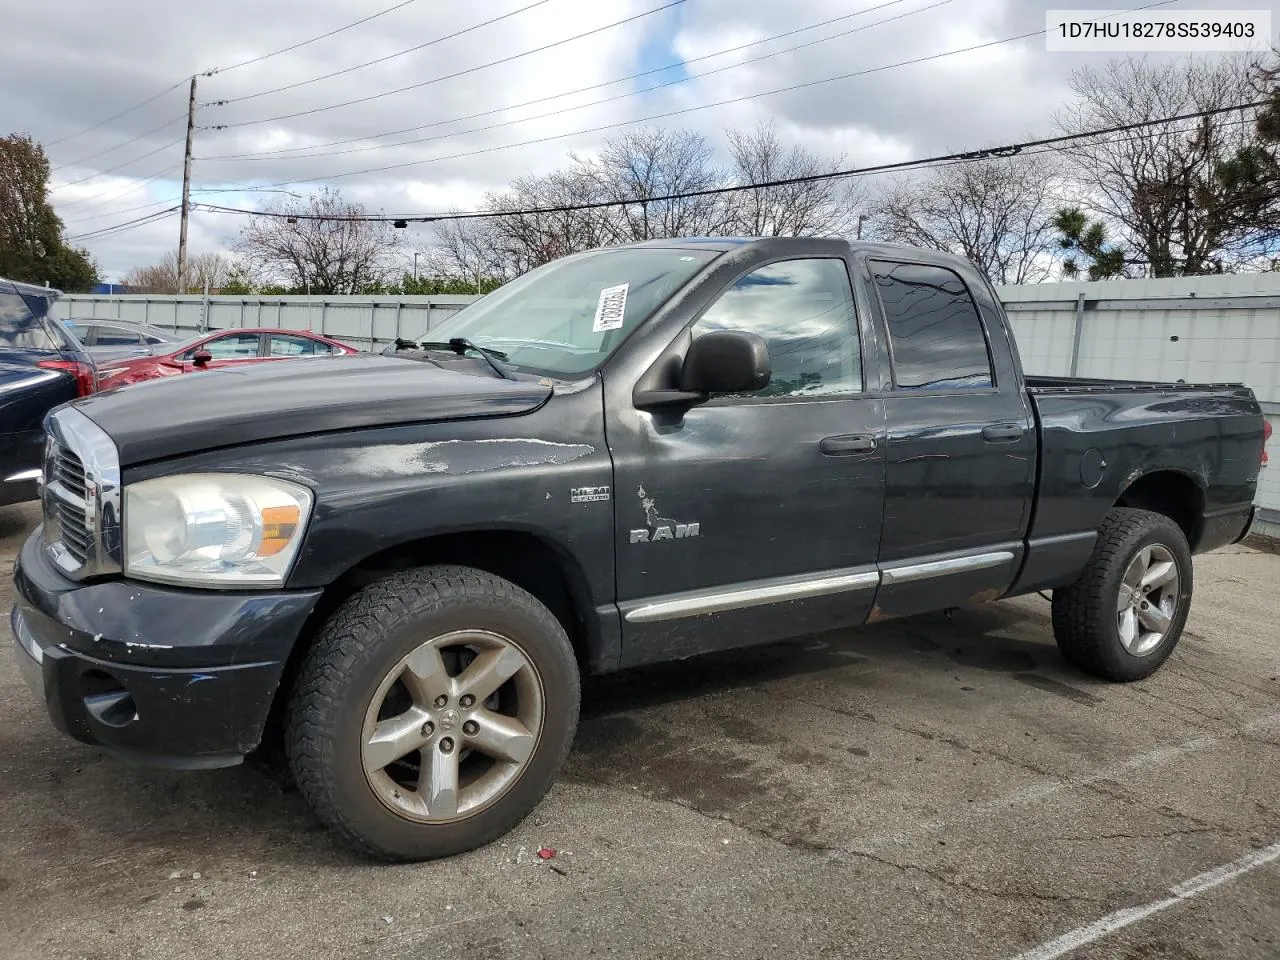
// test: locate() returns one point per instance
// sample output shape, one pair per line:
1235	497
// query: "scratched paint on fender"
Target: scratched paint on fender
461	456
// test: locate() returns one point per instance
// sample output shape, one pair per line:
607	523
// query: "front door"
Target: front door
227	350
961	444
756	516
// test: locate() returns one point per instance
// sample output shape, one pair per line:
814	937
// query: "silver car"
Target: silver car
118	339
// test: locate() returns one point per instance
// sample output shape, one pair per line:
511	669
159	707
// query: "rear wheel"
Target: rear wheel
433	712
1124	615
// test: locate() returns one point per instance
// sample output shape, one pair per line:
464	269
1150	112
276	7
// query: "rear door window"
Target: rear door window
936	340
282	345
115	337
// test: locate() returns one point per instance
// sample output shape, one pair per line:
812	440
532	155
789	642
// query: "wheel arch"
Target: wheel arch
1173	493
531	560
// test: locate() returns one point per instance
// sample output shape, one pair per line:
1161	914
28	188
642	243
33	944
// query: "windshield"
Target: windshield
564	318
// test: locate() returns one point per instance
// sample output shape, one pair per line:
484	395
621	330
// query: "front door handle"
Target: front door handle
845	445
1002	432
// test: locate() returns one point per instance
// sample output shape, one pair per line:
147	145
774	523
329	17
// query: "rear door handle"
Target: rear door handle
843	446
1002	432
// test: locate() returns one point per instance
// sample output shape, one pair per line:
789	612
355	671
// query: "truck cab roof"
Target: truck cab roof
781	244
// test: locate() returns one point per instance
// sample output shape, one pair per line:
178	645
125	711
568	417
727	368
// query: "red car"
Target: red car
219	348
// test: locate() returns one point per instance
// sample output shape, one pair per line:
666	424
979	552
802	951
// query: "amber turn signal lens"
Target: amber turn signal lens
279	524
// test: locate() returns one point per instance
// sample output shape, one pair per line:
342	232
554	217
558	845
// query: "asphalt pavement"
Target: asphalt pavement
940	787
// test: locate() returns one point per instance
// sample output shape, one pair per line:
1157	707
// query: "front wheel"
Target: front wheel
433	712
1122	618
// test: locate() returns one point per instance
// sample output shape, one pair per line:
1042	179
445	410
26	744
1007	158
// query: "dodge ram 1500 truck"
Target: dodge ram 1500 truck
629	455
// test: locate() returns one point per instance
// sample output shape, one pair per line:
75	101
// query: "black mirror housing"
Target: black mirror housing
726	361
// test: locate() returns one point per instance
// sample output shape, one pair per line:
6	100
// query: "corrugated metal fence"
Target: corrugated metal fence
1206	329
1200	329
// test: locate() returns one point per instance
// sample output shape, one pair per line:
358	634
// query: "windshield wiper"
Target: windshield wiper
460	345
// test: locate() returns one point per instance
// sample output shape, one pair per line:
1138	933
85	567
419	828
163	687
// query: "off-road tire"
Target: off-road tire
1084	614
353	652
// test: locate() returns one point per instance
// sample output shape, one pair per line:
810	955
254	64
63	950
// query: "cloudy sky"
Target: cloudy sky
76	66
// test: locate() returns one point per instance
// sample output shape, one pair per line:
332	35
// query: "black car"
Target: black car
41	366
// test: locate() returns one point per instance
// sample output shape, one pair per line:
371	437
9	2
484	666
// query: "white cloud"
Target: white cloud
90	67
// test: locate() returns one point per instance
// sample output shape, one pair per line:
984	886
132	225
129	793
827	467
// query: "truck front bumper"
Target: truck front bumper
168	676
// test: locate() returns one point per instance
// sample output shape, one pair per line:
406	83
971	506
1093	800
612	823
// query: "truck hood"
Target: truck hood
267	401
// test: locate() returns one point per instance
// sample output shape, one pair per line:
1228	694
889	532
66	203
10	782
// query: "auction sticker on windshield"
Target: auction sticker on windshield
610	309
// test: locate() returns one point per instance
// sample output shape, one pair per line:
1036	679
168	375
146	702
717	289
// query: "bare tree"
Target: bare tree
813	208
616	198
212	268
652	163
997	212
1171	189
320	244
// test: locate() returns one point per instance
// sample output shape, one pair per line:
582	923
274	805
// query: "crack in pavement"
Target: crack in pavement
975	888
1216	721
931	737
1164	835
1175	666
832	851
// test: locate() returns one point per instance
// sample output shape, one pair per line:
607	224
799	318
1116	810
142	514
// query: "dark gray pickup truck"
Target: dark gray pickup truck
404	563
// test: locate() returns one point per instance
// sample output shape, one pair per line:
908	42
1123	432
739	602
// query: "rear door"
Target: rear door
960	462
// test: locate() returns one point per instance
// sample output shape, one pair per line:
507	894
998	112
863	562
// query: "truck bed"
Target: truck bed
1085	385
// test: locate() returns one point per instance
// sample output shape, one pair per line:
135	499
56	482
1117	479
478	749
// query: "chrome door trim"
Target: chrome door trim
755	594
908	572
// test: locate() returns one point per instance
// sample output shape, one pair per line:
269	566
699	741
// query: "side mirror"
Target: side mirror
723	361
201	357
726	361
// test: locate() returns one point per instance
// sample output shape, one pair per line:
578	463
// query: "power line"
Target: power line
267	56
116	213
117	116
450	76
158	203
621	96
670	113
370	63
141	136
720	103
118	227
1008	150
555	96
103	173
152	178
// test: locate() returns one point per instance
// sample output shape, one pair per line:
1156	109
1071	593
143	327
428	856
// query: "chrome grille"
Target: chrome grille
81	493
68	470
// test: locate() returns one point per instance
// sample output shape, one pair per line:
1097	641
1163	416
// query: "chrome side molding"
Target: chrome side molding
761	592
907	572
758	594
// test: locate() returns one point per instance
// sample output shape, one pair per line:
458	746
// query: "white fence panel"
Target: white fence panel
369	323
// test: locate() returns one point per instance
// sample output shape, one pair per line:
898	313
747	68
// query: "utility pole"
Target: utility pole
861	219
186	190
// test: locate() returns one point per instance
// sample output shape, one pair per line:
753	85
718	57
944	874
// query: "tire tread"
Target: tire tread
353	634
1081	612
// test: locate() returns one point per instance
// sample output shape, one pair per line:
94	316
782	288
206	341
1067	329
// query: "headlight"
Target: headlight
213	529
